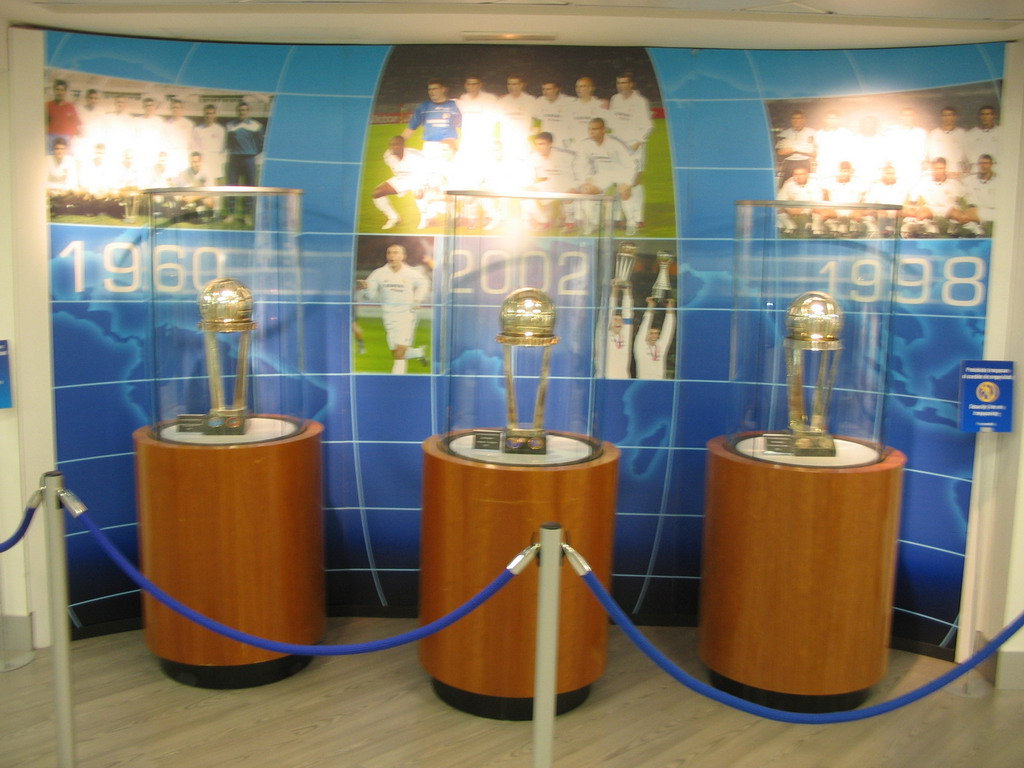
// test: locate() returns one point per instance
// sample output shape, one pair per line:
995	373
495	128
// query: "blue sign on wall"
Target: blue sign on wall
5	376
986	396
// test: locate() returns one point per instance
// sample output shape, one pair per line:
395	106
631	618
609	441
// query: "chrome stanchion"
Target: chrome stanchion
57	499
546	658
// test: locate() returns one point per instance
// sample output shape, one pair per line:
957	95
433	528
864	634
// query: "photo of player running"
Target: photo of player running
393	296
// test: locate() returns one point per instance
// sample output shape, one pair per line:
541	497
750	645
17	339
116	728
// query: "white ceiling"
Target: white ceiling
672	23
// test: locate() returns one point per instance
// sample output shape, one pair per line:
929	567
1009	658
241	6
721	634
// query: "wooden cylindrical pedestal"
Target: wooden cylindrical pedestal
476	517
235	532
798	574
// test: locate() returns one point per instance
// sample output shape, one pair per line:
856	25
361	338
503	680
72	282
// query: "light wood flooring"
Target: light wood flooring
378	711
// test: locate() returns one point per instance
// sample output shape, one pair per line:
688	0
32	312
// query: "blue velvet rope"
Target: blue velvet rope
619	617
293	648
22	530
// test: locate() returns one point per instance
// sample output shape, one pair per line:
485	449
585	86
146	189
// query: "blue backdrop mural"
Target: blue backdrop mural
325	113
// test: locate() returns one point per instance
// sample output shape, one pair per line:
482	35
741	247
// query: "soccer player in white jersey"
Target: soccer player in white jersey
868	157
552	112
619	349
652	344
209	139
516	109
981	199
801	188
934	203
118	128
149	134
907	146
795	144
605	164
93	118
61	178
834	143
948	141
478	151
983	139
585	108
479	139
629	118
552	170
843	189
178	136
409	171
400	290
888	190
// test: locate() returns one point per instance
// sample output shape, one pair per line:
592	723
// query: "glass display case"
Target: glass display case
525	318
813	299
523	326
227	329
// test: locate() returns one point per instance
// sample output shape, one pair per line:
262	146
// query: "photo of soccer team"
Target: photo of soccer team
934	154
513	120
110	138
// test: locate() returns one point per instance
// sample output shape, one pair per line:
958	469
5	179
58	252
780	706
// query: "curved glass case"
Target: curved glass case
811	324
525	284
227	335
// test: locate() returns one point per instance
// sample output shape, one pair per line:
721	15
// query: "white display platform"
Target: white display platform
258	429
849	453
562	449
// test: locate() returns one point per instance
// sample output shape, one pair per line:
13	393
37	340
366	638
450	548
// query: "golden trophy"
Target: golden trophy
814	321
625	259
527	320
661	291
225	307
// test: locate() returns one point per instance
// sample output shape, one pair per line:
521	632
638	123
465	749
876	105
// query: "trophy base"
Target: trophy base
487	445
228	423
235	675
790	702
791	444
503	707
529	441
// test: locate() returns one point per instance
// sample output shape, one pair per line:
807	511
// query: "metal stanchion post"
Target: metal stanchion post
57	572
546	659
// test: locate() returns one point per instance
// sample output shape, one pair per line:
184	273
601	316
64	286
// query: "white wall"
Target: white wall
994	572
26	431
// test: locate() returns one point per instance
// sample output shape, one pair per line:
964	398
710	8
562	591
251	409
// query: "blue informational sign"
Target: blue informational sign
5	376
986	396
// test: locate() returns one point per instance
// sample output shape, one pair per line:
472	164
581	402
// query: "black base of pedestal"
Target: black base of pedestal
789	702
237	676
504	707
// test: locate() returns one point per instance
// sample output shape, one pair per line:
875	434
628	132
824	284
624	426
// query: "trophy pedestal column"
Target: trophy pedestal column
798	573
234	531
476	517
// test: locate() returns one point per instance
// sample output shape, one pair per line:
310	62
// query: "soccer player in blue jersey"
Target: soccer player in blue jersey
440	119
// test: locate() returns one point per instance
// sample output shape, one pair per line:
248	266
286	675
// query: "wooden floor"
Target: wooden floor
378	711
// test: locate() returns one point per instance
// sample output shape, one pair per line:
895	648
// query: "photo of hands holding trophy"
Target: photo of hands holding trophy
644	350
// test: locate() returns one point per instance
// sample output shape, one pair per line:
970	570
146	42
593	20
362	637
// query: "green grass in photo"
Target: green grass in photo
659	214
377	357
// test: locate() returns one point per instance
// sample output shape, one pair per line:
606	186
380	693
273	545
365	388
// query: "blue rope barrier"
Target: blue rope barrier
293	648
19	534
619	617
